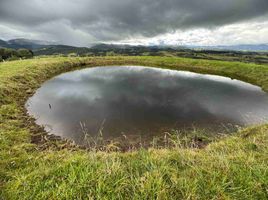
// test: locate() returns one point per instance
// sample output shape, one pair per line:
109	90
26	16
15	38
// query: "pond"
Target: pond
142	102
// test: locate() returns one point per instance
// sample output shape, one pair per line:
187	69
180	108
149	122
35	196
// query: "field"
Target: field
34	166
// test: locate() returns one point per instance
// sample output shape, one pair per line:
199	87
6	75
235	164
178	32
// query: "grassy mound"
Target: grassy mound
233	168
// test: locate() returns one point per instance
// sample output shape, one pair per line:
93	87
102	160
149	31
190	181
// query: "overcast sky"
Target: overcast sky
171	22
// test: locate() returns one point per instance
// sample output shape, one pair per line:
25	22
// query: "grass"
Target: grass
232	168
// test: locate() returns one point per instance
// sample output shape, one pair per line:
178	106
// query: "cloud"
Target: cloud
82	22
239	33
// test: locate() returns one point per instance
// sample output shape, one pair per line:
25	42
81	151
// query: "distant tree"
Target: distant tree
72	55
146	54
8	53
60	55
13	57
2	51
110	53
89	54
25	53
12	54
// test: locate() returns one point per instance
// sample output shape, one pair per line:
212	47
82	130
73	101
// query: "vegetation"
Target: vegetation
253	53
32	166
12	54
125	50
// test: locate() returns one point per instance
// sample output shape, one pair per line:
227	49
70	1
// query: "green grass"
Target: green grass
232	168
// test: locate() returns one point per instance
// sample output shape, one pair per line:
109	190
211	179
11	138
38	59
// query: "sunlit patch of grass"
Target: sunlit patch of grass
233	167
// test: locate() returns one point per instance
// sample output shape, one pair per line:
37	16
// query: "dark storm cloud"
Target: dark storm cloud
104	20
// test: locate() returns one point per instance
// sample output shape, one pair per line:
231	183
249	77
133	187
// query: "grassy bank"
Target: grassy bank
233	168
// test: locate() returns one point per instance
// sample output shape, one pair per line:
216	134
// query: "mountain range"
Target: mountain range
49	48
24	43
241	47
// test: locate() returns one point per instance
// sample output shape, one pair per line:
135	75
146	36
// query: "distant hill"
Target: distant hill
3	44
243	53
24	44
109	46
60	49
49	48
243	47
99	49
41	47
44	46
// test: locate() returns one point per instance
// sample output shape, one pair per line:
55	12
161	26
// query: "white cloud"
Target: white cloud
240	33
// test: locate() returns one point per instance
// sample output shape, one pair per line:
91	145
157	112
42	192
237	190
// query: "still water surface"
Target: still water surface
142	101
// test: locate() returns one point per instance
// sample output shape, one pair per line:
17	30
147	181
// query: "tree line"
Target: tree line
12	54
